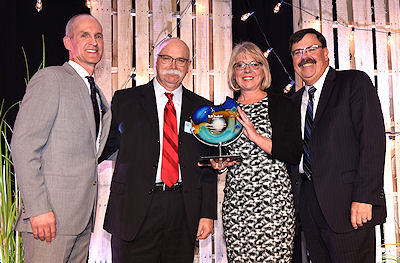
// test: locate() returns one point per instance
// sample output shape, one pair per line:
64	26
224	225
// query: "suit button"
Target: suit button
94	182
155	166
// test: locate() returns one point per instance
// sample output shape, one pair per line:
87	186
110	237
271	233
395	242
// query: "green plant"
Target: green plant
42	64
390	259
11	247
11	241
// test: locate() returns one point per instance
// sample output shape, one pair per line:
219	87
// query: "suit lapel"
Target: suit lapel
106	120
86	102
149	106
325	94
185	112
297	97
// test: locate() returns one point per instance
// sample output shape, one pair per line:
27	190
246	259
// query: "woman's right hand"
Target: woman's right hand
221	164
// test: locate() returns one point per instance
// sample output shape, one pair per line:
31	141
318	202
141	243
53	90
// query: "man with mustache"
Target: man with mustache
59	133
160	200
341	196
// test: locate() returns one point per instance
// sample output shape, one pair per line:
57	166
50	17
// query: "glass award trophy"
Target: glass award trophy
217	126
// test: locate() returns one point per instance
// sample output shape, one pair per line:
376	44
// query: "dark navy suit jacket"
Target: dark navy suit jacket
347	148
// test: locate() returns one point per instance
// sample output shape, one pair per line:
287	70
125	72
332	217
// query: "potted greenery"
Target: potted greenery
11	249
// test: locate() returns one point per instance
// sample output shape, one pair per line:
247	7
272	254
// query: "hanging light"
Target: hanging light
88	4
246	16
317	23
266	53
39	5
289	87
277	8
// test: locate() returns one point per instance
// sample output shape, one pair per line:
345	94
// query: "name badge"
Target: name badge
188	127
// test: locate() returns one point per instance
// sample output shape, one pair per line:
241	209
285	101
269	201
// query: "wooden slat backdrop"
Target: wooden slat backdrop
384	94
125	41
394	19
326	28
206	27
142	42
99	244
356	50
363	39
202	49
206	37
186	30
343	33
101	9
222	30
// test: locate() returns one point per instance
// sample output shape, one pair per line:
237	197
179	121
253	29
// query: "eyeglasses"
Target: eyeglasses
180	62
252	65
308	50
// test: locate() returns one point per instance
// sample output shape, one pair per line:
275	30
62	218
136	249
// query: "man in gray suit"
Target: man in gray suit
59	133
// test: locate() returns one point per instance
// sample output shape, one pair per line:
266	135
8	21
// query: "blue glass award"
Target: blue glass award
217	126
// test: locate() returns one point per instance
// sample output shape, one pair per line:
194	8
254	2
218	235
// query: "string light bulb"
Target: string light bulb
39	5
88	4
389	38
266	53
277	8
317	23
352	33
246	16
289	87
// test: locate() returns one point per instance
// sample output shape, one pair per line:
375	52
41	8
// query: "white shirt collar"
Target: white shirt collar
160	90
81	72
320	82
79	69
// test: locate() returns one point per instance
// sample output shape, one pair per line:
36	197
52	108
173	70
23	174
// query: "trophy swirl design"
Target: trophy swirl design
217	126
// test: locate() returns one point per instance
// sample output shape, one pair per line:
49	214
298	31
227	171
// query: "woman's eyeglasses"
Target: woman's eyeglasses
252	65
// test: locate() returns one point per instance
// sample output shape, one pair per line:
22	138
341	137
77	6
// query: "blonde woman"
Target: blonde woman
258	207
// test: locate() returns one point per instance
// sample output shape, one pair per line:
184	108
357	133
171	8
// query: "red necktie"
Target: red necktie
170	159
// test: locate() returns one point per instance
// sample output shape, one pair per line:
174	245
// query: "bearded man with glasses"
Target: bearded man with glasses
160	200
341	196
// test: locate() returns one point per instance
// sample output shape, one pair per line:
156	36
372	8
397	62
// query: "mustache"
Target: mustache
172	72
306	61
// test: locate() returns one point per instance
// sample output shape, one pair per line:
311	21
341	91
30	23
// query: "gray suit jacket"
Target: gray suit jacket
54	150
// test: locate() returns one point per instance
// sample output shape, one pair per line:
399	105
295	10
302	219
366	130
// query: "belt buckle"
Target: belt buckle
163	187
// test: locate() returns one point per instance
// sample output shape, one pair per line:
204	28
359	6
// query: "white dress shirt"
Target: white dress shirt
304	102
161	100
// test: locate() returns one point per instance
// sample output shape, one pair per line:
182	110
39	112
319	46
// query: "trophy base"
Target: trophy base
205	160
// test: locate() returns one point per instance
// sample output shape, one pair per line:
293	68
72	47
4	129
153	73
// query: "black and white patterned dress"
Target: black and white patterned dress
258	208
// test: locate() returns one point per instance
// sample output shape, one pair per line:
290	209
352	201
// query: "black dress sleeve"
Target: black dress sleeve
286	129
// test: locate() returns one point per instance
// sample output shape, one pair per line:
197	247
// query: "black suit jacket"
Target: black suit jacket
347	148
134	131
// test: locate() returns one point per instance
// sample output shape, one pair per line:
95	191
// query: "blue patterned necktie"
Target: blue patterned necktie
307	132
94	103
